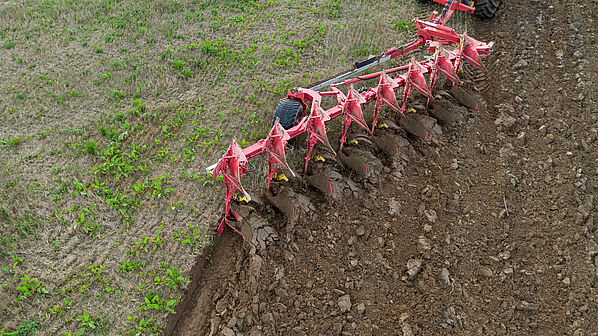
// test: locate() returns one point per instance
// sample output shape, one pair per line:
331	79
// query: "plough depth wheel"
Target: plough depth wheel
287	111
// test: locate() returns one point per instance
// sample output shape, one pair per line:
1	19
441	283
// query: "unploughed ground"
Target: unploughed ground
486	229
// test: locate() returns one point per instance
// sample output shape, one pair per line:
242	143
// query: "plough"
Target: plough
432	34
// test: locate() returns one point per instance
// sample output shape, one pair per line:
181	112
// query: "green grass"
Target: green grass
89	325
28	328
11	142
91	147
8	44
24	226
404	25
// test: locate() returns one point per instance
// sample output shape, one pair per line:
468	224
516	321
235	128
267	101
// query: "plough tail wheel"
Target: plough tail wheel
486	8
288	110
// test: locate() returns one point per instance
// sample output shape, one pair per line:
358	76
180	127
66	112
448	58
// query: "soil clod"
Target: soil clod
412	126
464	97
320	182
387	145
354	162
444	114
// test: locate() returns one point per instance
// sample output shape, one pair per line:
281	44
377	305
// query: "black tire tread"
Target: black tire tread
287	112
486	9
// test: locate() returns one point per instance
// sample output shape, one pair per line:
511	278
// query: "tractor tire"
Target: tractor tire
486	9
287	111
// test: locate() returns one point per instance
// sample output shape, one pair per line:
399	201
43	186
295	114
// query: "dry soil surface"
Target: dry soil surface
488	227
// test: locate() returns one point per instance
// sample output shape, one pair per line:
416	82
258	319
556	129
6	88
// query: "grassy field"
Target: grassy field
109	112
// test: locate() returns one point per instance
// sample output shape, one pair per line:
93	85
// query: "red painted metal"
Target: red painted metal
385	95
414	78
352	111
232	166
442	64
275	147
316	130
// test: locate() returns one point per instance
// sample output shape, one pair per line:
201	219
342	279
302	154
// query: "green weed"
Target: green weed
11	142
174	279
404	25
154	187
149	243
119	162
80	189
192	236
25	226
128	266
6	244
28	287
60	309
91	147
28	328
332	8
144	326
154	301
61	188
91	324
9	44
87	222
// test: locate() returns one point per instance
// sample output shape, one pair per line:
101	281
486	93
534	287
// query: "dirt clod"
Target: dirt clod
413	126
290	203
413	267
320	182
354	162
387	144
464	97
444	114
344	303
486	271
360	308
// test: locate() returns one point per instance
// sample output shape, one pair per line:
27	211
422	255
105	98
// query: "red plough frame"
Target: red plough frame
432	34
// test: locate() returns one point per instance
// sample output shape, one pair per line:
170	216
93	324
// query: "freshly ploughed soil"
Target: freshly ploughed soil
486	227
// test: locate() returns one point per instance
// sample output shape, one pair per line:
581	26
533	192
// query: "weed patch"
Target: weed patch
28	328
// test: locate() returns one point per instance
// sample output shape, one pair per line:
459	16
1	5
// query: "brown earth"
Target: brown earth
485	228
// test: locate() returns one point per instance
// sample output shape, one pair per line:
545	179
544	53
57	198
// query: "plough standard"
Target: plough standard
432	34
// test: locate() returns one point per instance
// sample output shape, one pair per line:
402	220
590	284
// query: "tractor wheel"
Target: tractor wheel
486	9
287	111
